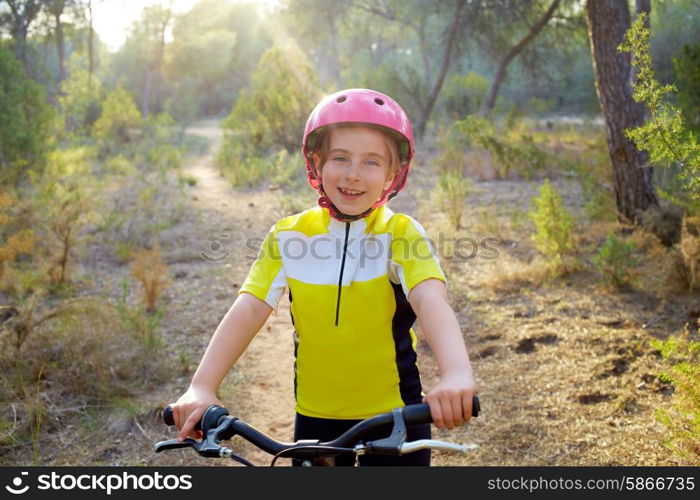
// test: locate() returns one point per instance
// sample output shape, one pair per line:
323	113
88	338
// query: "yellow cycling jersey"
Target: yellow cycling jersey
348	286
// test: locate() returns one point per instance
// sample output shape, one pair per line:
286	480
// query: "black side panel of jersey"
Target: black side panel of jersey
401	323
296	345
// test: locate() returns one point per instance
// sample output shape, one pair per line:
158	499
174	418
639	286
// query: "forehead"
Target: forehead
358	140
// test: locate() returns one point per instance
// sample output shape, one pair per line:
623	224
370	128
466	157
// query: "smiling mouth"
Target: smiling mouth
350	192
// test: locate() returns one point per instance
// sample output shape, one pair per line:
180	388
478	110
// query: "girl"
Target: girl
358	276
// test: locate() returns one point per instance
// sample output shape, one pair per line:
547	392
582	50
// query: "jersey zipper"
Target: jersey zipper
342	268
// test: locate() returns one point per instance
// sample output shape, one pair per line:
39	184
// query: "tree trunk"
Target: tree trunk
335	53
424	50
490	100
643	6
323	64
91	42
154	72
61	50
608	20
22	13
57	10
146	94
447	59
19	34
160	57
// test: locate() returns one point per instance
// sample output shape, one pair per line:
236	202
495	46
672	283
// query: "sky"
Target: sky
112	18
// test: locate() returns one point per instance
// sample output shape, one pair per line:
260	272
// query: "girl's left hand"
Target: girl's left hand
451	400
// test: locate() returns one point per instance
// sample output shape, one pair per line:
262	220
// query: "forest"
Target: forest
557	172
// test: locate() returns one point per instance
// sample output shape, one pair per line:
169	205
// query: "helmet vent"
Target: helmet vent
342	98
379	101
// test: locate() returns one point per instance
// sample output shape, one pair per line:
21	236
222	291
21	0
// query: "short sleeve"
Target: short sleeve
413	255
266	279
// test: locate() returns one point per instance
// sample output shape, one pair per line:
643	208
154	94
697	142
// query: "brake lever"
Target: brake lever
424	444
396	443
392	444
174	444
207	447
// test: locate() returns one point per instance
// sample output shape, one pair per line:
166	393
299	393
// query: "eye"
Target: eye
373	163
339	158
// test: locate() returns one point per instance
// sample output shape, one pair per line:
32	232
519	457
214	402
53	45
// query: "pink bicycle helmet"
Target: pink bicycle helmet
358	106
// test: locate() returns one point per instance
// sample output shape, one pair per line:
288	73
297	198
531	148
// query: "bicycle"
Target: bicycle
217	425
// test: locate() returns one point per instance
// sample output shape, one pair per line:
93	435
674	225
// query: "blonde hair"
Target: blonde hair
324	145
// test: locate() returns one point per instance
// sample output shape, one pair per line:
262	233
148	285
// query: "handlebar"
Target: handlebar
216	425
413	415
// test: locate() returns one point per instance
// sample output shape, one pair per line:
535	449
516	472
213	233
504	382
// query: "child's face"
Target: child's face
357	170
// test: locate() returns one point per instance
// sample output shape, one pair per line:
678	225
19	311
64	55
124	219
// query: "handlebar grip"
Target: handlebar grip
168	418
420	413
209	420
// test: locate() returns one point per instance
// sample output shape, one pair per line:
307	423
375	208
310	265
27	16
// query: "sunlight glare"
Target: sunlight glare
113	18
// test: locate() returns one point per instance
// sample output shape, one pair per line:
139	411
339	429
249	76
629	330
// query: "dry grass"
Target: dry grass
508	275
19	241
65	221
690	249
566	370
81	358
150	271
567	377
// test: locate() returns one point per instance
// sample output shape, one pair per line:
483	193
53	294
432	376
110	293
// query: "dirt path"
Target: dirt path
211	190
260	387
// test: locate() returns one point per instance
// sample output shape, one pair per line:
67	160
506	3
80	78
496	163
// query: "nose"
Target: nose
353	171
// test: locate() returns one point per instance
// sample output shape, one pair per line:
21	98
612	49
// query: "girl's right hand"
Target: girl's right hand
188	410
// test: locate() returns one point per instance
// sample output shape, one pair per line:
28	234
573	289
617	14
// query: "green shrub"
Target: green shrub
554	226
451	192
289	171
117	122
242	167
141	323
268	115
164	157
143	198
292	186
664	135
25	120
464	94
682	419
452	149
539	106
79	101
513	150
187	180
615	259
592	170
273	110
119	166
63	201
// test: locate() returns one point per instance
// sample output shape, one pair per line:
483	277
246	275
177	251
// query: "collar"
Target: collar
358	227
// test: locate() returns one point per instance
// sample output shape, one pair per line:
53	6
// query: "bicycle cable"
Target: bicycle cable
238	458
